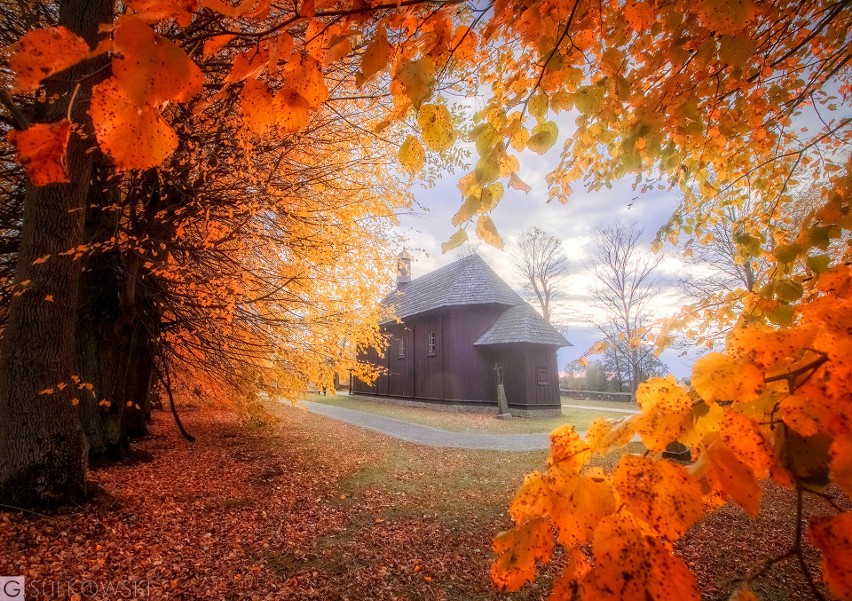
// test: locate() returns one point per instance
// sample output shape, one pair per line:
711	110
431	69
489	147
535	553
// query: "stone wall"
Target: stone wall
591	395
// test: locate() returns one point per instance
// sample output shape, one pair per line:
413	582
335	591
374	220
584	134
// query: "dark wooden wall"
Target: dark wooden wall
458	371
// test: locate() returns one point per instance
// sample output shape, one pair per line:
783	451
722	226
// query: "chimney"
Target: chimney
403	269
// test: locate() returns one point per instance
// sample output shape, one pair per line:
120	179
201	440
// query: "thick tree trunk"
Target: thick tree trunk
43	454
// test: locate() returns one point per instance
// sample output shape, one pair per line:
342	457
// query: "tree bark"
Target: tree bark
43	452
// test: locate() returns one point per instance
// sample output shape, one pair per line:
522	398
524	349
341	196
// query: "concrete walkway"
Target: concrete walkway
429	436
605	409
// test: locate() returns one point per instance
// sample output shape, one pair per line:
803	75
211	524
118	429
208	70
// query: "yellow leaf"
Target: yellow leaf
487	231
544	136
469	208
537	105
719	377
456	240
437	127
518	184
589	99
411	155
41	152
414	80
660	493
43	52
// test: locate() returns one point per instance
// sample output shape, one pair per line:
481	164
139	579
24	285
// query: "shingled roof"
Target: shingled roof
521	323
468	281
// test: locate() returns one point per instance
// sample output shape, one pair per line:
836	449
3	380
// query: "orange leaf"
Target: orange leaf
158	10
293	112
567	449
248	64
841	463
216	43
665	408
150	67
135	138
605	434
834	538
375	57
305	78
719	377
637	566
43	52
741	435
579	503
660	493
519	549
41	151
531	501
258	107
733	477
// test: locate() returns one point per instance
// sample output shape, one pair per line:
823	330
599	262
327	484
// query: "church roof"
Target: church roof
470	281
522	323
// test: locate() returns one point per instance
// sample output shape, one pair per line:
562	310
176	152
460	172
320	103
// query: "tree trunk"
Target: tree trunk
43	454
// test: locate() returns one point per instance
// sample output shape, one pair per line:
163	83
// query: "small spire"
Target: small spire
403	269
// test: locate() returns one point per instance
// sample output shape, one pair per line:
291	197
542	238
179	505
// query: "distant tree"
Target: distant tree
543	266
592	377
617	361
625	287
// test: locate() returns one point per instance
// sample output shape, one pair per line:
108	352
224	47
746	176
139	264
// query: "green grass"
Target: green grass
470	422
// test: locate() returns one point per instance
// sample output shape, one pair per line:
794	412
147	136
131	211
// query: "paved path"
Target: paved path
631	411
429	436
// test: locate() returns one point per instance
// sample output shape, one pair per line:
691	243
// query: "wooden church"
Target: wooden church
462	327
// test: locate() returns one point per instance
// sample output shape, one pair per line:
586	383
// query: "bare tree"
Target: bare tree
722	266
626	285
543	266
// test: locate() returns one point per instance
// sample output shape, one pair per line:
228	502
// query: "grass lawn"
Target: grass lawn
469	422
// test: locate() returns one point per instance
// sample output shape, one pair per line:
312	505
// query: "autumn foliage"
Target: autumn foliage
245	148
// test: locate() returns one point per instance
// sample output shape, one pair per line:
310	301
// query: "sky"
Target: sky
574	223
